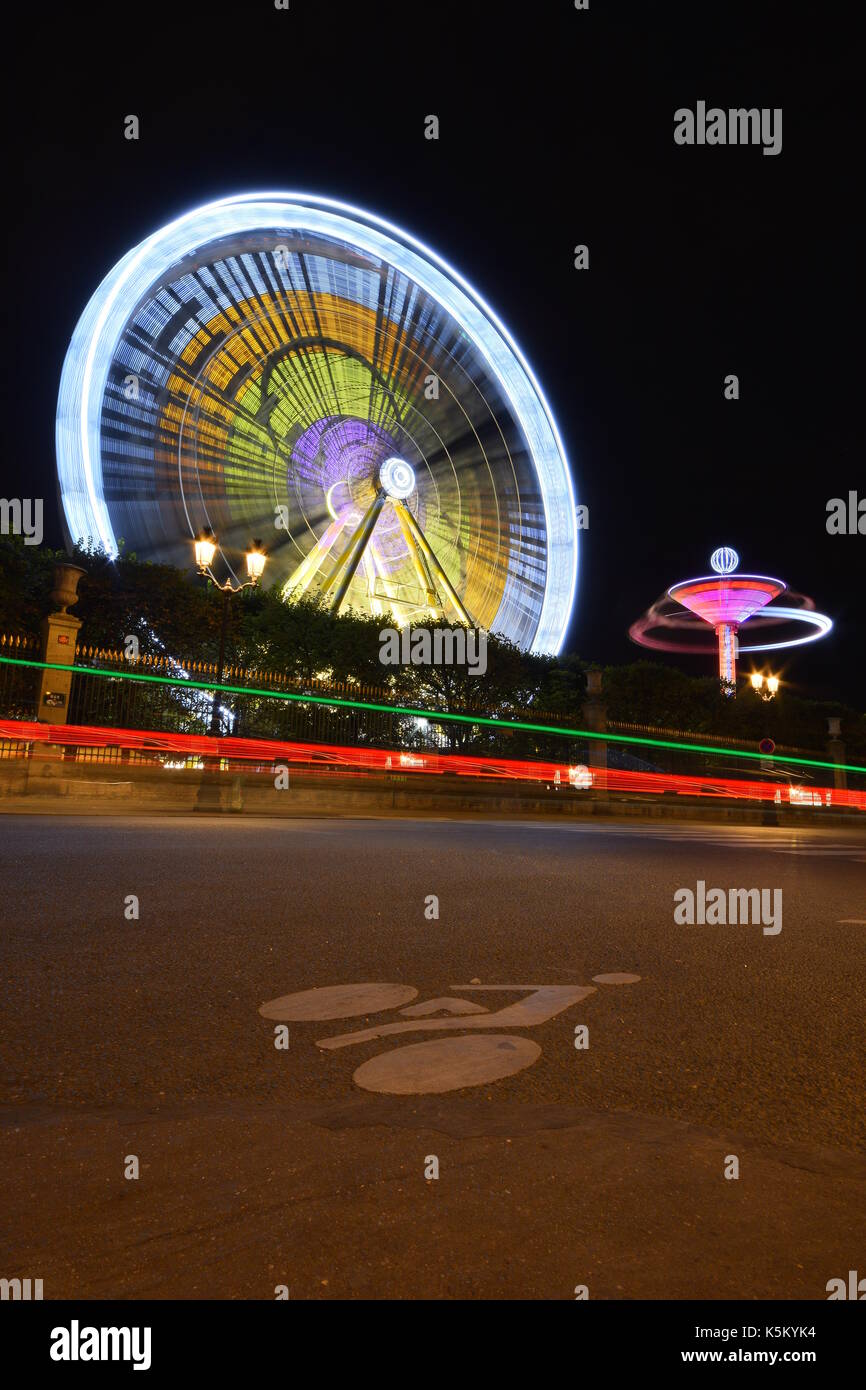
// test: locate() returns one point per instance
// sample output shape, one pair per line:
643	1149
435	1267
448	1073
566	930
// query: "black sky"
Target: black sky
556	128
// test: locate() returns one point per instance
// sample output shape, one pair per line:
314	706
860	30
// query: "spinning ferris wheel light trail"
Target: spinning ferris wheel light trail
285	354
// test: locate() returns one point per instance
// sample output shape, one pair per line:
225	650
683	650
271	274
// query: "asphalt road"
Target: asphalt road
601	1166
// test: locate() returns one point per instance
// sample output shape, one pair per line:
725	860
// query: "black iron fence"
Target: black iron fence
110	700
19	685
167	695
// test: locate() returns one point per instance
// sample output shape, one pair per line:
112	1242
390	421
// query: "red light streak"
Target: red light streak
52	740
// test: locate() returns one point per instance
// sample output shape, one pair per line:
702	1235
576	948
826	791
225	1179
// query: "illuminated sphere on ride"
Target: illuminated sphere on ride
285	366
724	560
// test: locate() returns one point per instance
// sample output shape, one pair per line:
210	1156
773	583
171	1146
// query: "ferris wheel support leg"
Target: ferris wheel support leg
371	569
300	581
348	551
420	564
435	567
351	557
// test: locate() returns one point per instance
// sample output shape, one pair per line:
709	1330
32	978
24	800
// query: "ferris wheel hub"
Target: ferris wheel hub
397	478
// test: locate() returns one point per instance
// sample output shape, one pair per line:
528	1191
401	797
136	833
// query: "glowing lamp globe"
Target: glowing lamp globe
205	548
256	558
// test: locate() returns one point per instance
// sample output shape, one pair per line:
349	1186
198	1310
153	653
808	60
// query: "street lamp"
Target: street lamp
757	682
205	545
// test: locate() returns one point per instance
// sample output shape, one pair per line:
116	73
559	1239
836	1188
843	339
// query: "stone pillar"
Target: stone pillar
59	634
595	720
836	753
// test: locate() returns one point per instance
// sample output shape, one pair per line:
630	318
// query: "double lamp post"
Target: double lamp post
206	545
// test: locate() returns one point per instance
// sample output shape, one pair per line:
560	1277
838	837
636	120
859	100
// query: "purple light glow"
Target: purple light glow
344	454
728	601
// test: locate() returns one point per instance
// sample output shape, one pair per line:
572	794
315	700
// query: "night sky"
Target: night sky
556	129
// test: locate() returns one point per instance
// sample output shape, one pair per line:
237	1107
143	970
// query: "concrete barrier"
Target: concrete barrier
35	786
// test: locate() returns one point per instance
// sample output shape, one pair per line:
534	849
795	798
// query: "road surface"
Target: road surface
560	1167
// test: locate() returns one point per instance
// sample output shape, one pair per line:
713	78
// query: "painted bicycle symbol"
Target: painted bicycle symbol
475	1058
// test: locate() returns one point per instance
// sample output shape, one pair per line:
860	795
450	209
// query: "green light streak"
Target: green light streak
434	715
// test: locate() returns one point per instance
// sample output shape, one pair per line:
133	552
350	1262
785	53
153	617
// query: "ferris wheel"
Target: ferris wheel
284	366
